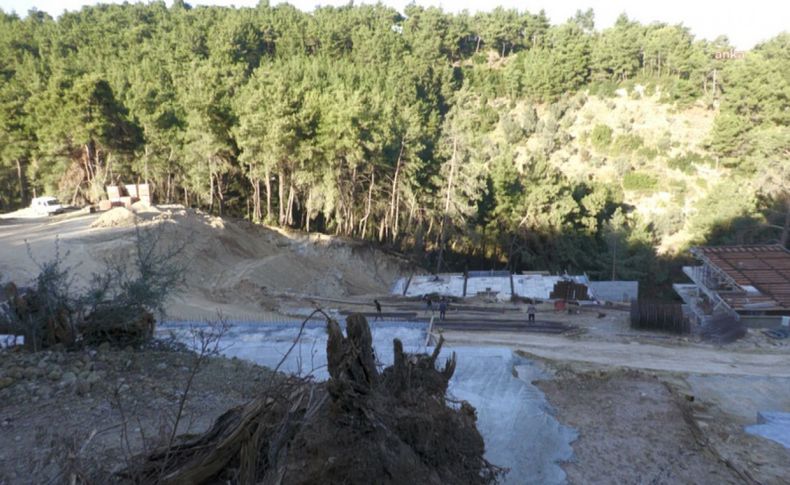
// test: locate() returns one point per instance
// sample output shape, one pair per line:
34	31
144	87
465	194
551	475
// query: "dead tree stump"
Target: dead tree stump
361	426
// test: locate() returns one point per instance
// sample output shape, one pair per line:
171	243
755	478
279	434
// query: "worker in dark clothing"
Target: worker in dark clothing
428	305
531	313
442	309
378	309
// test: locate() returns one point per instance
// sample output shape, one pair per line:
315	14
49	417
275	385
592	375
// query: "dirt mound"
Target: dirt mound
115	217
361	426
227	255
145	207
243	268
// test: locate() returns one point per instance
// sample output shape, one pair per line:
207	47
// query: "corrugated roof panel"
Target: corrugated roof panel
765	267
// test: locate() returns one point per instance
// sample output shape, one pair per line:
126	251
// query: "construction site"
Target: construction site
599	386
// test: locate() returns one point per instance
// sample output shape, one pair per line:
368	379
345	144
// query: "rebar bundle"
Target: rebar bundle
666	317
569	290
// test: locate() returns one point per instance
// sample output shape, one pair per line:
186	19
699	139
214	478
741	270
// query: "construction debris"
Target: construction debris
778	333
723	328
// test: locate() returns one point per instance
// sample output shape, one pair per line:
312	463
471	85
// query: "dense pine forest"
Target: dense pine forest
448	136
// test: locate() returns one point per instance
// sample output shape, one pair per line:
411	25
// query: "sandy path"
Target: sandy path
694	359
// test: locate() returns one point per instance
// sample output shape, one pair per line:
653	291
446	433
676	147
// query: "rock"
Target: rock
68	378
161	366
6	382
123	388
92	378
15	373
55	375
104	347
32	372
83	387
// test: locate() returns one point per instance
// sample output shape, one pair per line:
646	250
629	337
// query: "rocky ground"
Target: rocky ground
610	409
86	413
664	428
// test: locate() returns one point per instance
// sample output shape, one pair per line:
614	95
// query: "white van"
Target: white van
46	205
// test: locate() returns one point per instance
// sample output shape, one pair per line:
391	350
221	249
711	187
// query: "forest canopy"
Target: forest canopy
376	124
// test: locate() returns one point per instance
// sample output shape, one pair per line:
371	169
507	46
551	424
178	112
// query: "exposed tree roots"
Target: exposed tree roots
361	426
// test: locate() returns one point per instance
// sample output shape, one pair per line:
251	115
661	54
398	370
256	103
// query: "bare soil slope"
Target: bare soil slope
233	265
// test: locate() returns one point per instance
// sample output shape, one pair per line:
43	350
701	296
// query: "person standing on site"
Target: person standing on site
428	305
378	309
442	308
531	313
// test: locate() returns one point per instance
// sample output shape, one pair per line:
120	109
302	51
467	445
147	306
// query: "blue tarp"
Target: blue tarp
774	425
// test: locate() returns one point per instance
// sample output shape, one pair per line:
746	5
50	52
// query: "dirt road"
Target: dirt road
690	359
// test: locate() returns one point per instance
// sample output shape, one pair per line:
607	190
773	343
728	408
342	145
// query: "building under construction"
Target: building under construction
503	286
752	282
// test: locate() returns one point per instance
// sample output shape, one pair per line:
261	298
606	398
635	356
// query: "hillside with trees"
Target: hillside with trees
495	139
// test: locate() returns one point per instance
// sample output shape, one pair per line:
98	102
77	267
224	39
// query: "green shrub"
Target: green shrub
601	136
604	89
639	181
578	101
648	152
488	117
558	109
529	120
512	130
682	92
685	163
627	143
550	125
669	222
